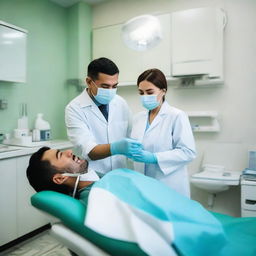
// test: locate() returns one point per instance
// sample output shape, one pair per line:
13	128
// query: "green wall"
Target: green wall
48	60
79	50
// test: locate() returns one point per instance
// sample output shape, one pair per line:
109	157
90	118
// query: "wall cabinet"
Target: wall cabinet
108	42
192	45
197	42
12	53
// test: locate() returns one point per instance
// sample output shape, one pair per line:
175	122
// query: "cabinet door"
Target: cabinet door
108	42
29	218
160	56
197	36
8	231
12	54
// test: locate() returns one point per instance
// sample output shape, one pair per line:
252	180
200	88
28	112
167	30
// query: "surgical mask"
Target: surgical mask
104	96
149	101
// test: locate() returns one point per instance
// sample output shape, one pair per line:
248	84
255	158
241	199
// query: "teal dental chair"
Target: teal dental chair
71	231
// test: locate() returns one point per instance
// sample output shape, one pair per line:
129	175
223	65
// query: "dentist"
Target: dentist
98	120
165	133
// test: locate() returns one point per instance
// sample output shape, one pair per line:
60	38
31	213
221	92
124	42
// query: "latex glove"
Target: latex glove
145	157
125	147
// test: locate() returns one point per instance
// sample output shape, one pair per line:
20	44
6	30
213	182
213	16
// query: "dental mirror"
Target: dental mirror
142	32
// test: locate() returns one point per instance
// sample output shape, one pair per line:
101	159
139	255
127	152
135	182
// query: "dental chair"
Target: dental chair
72	232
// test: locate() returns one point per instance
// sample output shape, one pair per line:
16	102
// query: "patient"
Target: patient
47	168
128	206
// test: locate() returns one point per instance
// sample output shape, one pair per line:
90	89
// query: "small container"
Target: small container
36	135
1	137
18	133
252	160
45	134
44	127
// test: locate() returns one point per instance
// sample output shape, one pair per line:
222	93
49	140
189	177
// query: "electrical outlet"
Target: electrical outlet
3	104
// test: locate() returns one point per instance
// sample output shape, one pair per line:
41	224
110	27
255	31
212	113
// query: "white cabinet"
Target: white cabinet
204	121
108	42
18	217
160	56
192	45
248	198
12	53
197	42
30	216
8	227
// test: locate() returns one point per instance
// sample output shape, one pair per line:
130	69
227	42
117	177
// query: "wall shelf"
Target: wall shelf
200	120
168	79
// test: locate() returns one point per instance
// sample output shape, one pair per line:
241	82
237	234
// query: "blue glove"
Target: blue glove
145	157
125	147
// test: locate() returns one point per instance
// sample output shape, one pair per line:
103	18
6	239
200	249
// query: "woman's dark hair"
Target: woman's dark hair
101	65
40	173
154	76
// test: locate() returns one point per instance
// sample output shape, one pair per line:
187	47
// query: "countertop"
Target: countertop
9	151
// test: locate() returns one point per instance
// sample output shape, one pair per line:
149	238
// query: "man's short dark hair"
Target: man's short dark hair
40	173
101	65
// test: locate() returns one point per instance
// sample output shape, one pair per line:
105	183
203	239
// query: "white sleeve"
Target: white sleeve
78	132
183	146
129	131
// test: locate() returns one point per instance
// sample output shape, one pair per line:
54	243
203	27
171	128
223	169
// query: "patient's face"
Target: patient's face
65	161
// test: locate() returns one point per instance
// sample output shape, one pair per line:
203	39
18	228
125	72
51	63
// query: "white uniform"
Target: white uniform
170	137
87	127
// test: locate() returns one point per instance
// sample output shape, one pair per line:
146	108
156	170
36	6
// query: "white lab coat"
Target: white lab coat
87	127
170	137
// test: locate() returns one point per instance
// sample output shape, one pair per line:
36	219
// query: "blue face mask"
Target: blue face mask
104	96
149	101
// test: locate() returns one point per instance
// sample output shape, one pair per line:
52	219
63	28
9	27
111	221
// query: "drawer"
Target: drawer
246	213
248	197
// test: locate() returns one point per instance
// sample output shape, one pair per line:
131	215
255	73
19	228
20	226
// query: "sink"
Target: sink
7	148
211	186
215	179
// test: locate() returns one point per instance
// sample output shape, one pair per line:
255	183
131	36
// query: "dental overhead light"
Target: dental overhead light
142	33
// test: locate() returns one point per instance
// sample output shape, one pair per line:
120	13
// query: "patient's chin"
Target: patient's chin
83	167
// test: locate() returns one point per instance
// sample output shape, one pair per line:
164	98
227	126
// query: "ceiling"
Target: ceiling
67	3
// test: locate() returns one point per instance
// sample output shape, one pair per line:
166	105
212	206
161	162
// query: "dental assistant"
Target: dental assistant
98	120
165	133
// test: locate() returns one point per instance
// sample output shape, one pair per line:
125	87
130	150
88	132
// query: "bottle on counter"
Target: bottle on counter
42	126
36	135
22	123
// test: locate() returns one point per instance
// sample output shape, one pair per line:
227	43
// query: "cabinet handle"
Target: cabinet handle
247	201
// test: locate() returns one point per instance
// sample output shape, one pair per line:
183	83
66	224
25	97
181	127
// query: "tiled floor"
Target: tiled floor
41	245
